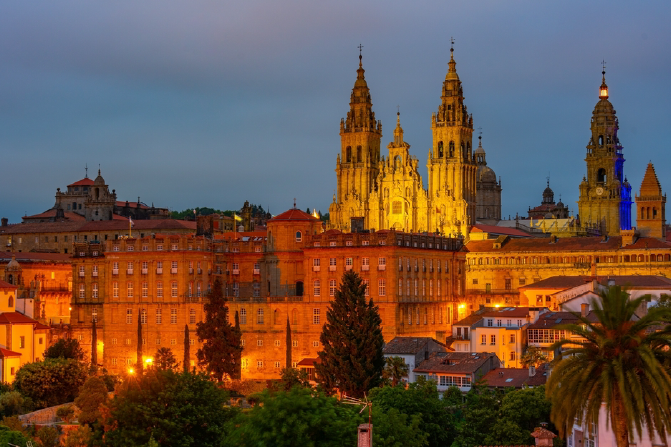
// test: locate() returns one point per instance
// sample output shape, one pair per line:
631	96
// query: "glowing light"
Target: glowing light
148	361
603	92
497	305
462	306
315	213
131	370
71	308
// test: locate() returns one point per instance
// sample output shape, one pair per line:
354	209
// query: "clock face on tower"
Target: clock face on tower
599	191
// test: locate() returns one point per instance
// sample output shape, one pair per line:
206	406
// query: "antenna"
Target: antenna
366	403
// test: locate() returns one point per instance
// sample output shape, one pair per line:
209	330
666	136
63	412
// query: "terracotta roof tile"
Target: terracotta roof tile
494	229
406	345
514	377
568	282
6	285
293	214
22	257
48	214
83	182
16	318
454	362
7	353
564	244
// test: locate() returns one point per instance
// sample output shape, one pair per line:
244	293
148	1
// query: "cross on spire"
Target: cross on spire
603	64
480	132
451	43
294	202
86	168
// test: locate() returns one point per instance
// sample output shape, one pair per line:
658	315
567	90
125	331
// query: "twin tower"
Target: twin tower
388	192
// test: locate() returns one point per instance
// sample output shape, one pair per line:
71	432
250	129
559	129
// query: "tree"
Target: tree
619	360
47	436
291	377
13	403
352	358
392	428
520	412
92	396
140	365
181	409
50	382
164	359
187	349
533	356
94	345
299	417
79	437
65	348
238	358
395	369
222	343
65	413
16	437
419	399
481	413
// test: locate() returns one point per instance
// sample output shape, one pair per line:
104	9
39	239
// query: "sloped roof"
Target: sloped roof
406	345
454	362
511	312
551	319
51	213
6	285
293	214
7	353
83	182
474	317
568	282
494	229
515	377
22	257
16	318
576	244
650	185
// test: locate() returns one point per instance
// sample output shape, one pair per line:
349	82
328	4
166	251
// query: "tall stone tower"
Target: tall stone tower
605	195
451	166
651	206
357	164
488	190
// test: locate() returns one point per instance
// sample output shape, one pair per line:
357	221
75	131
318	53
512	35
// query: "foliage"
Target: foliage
94	345
352	358
291	377
419	399
246	387
520	413
257	211
91	396
13	403
299	417
622	361
533	356
481	413
65	348
14	424
16	437
65	413
184	409
394	370
50	382
222	343
140	362
110	380
395	429
79	437
164	359
186	361
47	436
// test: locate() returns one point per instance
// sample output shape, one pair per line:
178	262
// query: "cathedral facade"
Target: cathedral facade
388	193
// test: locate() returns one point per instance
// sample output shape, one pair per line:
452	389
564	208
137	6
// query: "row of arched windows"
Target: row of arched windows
348	154
647	214
465	150
521	260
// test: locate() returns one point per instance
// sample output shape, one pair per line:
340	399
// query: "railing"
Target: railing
129	271
173	271
159	270
191	271
332	268
115	271
382	267
236	271
348	267
491	291
257	271
94	273
365	268
316	268
144	271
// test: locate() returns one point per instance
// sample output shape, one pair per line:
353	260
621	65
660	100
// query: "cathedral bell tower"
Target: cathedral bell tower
605	195
357	164
451	166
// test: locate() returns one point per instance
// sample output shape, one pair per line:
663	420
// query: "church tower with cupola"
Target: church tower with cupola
488	190
357	163
651	206
451	166
605	194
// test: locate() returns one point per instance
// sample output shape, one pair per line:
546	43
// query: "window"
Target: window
259	342
317	288
277	364
173	289
129	316
332	287
315	316
129	267
423	287
348	263
173	316
114	341
145	248
382	262
114	361
365	282
259	364
130	248
490	322
22	342
257	289
299	236
143	316
259	316
158	341
492	339
145	291
508	284
294	343
438	288
159	289
332	263
484	340
199	289
159	317
173	341
236	289
192	341
315	344
277	343
192	316
82	291
416	287
407	287
512	356
129	290
381	287
400	286
243	316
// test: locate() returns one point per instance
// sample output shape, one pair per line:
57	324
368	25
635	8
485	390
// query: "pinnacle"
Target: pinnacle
650	185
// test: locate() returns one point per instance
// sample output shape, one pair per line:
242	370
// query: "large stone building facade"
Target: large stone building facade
289	273
488	189
389	193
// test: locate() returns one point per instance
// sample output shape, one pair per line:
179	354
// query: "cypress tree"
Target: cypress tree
222	345
187	349
289	362
94	345
352	358
139	343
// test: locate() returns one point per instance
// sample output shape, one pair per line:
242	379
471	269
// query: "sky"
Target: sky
211	103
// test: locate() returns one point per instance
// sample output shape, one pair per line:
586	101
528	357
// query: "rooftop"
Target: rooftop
454	362
568	282
407	345
515	377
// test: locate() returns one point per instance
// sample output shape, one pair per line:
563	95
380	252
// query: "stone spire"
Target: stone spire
398	132
603	90
650	186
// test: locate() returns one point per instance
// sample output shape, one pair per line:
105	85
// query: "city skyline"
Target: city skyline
208	105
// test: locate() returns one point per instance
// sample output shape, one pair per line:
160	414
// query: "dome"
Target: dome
100	181
13	264
479	150
486	174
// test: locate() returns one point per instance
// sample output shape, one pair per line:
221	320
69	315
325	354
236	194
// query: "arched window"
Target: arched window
660	258
600	140
358	154
601	176
10	302
317	290
397	162
10	279
299	288
276	317
640	258
440	149
299	236
259	316
348	154
451	154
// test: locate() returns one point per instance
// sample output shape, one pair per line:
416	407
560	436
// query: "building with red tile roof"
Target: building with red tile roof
516	377
460	369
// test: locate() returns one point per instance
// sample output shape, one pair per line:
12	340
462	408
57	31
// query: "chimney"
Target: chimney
4	221
532	370
584	309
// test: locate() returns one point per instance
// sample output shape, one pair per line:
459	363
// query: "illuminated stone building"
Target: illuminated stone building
488	190
548	209
289	272
651	206
605	194
389	193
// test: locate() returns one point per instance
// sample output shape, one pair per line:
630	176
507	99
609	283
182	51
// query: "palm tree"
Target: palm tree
619	360
395	369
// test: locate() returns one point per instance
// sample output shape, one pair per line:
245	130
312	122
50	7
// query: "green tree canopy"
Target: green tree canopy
92	396
8	435
351	359
533	356
621	360
50	382
165	359
521	411
222	343
67	348
177	409
395	369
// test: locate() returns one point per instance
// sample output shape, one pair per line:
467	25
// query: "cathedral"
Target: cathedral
388	192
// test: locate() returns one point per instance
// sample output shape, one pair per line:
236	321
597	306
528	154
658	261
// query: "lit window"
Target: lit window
332	287
159	289
259	342
365	283
192	316
143	316
299	236
173	316
294	343
277	343
159	318
129	316
381	287
317	288
259	316
243	316
173	289
315	316
129	290
315	344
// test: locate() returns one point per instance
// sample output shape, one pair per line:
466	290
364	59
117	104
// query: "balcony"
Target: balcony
191	271
200	271
332	268
129	271
95	273
159	270
365	268
348	268
382	267
81	274
144	271
236	271
257	271
115	271
316	268
173	271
